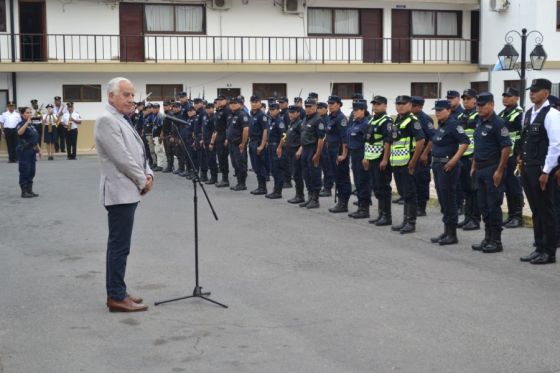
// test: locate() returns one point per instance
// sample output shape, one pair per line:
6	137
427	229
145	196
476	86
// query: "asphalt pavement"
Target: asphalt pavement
308	291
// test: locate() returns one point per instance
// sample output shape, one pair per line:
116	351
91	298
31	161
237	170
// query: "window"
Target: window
326	21
436	23
513	84
2	15
266	90
81	93
480	86
162	92
229	92
346	90
184	19
426	90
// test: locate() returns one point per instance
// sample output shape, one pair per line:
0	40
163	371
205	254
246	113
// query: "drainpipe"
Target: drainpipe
12	29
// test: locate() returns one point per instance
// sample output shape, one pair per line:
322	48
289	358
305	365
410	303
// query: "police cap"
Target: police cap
70	104
539	84
57	98
310	102
453	94
469	93
255	99
182	94
11	103
236	100
417	100
210	105
442	104
379	100
359	105
403	99
198	100
148	106
293	108
313	95
274	106
49	106
511	92
221	97
358	96
484	98
34	101
322	105
334	100
283	99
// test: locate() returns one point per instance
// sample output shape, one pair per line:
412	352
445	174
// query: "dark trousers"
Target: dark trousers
409	189
267	163
71	143
222	152
257	162
512	183
311	174
542	207
239	161
446	188
27	160
11	143
168	147
327	167
469	187
361	176
490	198
202	159
341	174
423	178
179	152
211	159
121	220
278	166
381	180
296	168
398	183
61	138
146	151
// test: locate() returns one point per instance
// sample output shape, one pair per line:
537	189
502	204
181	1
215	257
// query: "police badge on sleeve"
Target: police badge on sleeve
344	123
417	126
321	126
504	132
460	129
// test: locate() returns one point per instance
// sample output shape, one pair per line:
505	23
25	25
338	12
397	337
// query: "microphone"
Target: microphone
174	119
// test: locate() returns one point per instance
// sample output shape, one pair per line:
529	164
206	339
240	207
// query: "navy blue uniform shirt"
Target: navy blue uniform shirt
276	129
490	137
357	131
208	129
30	137
447	138
337	126
236	123
312	130
427	124
259	123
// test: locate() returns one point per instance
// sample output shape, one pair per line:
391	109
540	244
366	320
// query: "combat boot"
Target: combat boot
25	192
484	242
379	213
410	222
30	190
203	176
386	218
305	203
314	202
516	214
422	208
260	190
224	183
441	236
213	179
341	206
363	210
298	198
168	169
325	192
451	236
240	185
276	194
495	243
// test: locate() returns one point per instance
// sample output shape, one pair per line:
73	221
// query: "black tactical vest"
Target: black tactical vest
534	138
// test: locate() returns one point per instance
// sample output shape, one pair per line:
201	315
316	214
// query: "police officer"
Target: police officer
218	142
290	145
210	152
237	138
539	156
175	140
422	174
312	139
184	102
167	133
27	148
328	170
146	133
512	115
283	101
276	131
337	147
448	145
198	150
258	137
377	151
298	101
491	152
188	136
454	100
406	137
468	119
357	133
37	119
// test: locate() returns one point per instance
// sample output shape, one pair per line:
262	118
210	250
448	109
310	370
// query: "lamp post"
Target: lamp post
508	56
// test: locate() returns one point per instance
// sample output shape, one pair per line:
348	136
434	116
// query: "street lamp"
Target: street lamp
508	56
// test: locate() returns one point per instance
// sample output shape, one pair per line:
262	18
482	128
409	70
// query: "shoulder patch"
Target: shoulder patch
504	132
430	125
281	125
321	126
344	122
417	125
460	129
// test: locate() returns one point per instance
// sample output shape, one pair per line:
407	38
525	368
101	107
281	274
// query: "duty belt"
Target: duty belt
483	164
440	159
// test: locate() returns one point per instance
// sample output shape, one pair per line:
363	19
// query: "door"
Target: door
400	33
372	34
32	30
131	26
475	35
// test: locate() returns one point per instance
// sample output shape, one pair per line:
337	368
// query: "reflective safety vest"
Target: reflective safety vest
403	145
374	142
469	131
515	136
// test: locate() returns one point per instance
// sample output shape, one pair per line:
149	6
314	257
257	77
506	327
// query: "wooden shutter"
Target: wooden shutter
131	25
400	34
371	21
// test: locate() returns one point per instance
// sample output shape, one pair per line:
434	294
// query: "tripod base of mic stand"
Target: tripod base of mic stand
197	293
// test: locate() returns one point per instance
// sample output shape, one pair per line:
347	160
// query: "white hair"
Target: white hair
114	84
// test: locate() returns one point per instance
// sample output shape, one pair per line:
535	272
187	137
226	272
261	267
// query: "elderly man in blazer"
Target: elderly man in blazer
125	177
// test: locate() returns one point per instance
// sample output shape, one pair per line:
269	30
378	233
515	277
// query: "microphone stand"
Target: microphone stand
197	292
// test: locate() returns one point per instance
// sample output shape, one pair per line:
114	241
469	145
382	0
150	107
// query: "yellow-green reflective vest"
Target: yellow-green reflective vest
374	149
513	135
402	147
469	127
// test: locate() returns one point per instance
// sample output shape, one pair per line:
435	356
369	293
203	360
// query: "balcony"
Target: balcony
188	49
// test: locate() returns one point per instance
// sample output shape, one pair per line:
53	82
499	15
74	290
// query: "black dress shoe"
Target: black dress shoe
544	258
528	258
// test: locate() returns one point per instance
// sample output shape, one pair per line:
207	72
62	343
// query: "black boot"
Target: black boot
325	192
495	243
298	198
213	178
510	209
385	218
25	192
276	194
224	183
305	203
421	208
451	236
341	206
516	212
168	169
379	213
240	184
471	225
30	190
410	225
260	190
363	210
203	176
314	202
484	242
441	236
467	213
287	184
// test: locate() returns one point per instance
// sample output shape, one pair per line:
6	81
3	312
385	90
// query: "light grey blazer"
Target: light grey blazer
122	159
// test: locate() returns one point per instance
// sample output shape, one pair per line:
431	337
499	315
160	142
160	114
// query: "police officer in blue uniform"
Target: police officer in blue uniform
298	101
328	171
284	102
223	112
207	134
449	143
407	139
454	100
167	133
258	137
337	147
27	149
491	152
290	145
422	174
276	130
357	133
512	115
175	140
237	138
188	136
198	148
468	186
377	151
312	140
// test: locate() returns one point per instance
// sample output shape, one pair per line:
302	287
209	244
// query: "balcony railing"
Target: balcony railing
233	49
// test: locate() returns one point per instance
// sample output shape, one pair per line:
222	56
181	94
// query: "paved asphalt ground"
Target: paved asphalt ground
308	291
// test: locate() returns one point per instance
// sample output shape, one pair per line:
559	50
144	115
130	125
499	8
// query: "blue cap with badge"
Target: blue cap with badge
293	108
322	105
417	100
360	105
334	100
310	102
442	104
379	100
403	99
274	106
484	98
453	94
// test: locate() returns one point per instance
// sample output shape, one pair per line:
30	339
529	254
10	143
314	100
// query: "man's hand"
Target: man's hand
383	165
543	180
365	164
260	149
498	175
424	159
279	152
411	168
340	159
211	146
242	148
149	185
473	171
226	143
160	140
298	154
449	166
316	160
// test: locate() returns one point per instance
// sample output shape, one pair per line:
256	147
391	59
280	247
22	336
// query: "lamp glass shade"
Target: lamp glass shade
538	57
507	57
